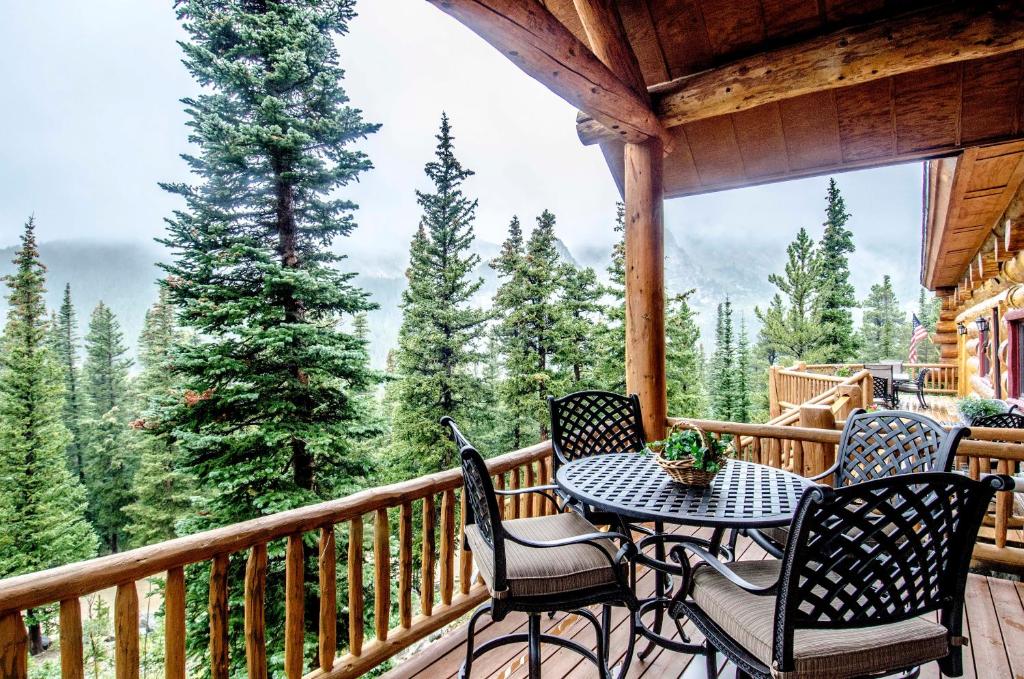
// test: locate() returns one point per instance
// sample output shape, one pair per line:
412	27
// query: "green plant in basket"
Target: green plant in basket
708	454
973	407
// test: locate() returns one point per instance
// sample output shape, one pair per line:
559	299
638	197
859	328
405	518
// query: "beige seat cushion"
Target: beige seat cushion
750	620
537	572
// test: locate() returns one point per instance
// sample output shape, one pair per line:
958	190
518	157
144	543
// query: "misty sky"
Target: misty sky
91	122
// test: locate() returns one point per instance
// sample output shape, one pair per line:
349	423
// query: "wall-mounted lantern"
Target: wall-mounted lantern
961	329
982	323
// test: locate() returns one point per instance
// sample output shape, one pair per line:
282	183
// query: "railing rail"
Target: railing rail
440	573
942	378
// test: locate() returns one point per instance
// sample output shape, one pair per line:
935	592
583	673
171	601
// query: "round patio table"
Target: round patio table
632	485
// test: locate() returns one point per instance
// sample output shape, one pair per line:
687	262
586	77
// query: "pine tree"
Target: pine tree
510	337
611	368
268	413
742	407
42	505
162	485
437	341
64	343
798	333
928	308
684	371
836	296
576	327
723	365
109	461
884	330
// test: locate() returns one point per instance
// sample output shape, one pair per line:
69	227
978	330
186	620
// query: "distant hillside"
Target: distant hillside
123	275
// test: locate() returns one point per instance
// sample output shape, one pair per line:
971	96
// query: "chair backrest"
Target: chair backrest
880	552
594	423
892	442
880	388
481	502
883	370
1007	420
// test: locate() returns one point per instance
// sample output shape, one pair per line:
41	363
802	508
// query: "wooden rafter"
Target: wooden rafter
535	41
848	57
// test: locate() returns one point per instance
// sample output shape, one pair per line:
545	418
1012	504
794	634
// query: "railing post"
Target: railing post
817	456
854	398
13	646
774	410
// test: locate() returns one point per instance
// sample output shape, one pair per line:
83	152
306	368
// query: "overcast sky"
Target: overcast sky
91	122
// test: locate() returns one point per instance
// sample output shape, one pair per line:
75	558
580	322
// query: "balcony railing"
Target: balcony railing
942	378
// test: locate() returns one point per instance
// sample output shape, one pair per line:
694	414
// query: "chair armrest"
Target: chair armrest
679	555
831	470
627	550
538	490
764	542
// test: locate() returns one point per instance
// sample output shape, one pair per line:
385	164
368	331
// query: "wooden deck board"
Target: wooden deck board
994	622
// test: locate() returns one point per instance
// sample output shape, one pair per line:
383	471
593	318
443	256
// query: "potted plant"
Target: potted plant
689	456
972	407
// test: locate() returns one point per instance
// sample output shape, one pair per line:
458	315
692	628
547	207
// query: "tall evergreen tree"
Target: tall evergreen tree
576	329
611	367
42	505
884	329
723	365
109	460
798	334
684	370
928	308
836	297
511	335
268	414
64	343
162	485
742	407
437	343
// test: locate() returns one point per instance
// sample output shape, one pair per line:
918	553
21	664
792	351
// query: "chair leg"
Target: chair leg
711	660
534	646
606	626
467	666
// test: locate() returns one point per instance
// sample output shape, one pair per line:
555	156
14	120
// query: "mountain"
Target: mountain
124	276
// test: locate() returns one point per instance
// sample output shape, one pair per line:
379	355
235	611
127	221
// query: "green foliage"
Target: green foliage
684	361
97	652
577	340
792	330
163	484
64	344
836	297
437	344
268	405
611	353
723	378
109	460
742	407
973	406
884	330
928	309
42	505
708	453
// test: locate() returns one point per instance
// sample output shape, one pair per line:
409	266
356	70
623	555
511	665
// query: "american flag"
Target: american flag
919	333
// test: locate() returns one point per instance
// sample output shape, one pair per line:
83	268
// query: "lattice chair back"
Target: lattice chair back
880	552
594	423
481	502
880	389
1007	420
881	444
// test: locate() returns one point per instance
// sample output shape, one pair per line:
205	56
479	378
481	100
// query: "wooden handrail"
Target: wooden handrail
78	579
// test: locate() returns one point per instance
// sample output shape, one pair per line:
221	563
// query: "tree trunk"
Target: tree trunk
35	637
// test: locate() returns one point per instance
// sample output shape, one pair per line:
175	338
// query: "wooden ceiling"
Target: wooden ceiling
967	198
742	92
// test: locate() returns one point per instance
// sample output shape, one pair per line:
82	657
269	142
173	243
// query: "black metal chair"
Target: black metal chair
879	445
594	423
1007	420
916	387
544	564
853	594
882	384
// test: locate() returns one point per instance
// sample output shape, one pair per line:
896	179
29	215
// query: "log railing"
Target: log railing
810	450
942	378
790	388
447	592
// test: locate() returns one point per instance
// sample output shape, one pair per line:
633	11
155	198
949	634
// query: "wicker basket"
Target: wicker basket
683	471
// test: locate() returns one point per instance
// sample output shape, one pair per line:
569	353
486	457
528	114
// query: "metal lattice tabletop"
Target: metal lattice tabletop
743	495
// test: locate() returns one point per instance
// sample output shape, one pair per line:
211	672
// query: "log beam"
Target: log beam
607	37
536	41
645	283
851	56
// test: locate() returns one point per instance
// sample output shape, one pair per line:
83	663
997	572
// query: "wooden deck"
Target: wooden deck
994	619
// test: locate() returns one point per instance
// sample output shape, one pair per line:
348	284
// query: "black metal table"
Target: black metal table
632	486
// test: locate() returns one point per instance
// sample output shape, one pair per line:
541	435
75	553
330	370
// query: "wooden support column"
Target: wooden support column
645	283
817	456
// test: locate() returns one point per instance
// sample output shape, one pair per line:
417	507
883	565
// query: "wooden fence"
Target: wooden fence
447	592
942	378
790	388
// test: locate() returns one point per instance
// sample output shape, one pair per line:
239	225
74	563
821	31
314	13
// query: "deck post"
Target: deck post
645	283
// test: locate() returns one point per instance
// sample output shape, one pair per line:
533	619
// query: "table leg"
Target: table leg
660	578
